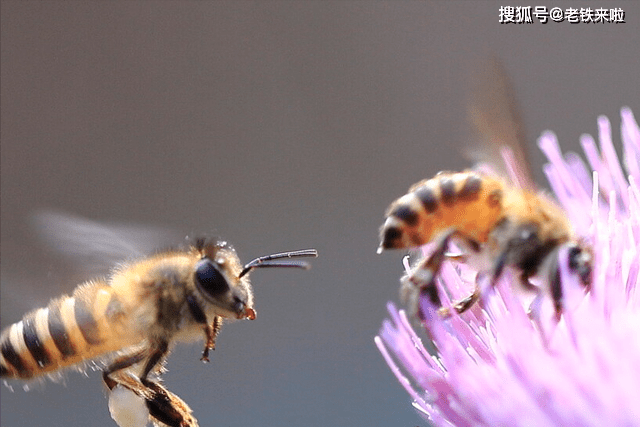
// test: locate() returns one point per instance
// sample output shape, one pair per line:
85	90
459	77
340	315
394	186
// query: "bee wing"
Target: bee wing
95	246
494	113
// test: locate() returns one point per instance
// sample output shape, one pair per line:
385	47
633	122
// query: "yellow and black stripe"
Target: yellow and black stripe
71	329
466	201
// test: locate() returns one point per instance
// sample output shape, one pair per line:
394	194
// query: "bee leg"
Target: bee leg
162	405
122	363
461	305
556	294
467	302
158	352
211	331
498	267
166	407
526	284
422	280
535	309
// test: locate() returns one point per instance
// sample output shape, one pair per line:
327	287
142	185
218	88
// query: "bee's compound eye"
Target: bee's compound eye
209	279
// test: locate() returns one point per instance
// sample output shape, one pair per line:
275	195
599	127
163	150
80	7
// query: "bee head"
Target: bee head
217	277
581	262
225	284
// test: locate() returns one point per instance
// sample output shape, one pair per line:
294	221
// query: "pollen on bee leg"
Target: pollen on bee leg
127	408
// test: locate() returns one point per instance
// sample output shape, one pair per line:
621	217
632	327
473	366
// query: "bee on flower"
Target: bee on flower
494	365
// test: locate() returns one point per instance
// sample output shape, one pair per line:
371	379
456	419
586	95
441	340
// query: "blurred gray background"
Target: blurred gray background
279	126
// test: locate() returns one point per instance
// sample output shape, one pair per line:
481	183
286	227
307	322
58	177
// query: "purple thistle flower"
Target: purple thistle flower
492	367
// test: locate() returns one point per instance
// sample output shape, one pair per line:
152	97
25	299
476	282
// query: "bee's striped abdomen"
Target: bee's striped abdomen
69	330
467	201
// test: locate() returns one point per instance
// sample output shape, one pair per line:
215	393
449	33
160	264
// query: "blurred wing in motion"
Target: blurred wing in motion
494	113
97	247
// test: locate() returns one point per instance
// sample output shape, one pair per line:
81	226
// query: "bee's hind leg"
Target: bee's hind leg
166	407
153	356
121	363
157	354
163	406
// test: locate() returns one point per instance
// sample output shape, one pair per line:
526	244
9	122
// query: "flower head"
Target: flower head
492	366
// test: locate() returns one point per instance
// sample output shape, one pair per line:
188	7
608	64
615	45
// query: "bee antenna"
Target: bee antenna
270	260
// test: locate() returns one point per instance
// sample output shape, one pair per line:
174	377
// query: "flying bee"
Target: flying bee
494	223
134	317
